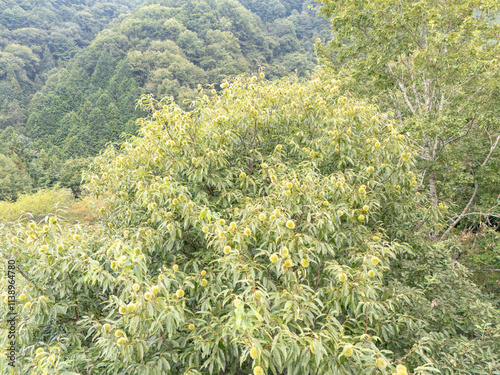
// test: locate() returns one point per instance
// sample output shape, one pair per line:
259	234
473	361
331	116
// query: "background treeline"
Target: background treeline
38	39
81	101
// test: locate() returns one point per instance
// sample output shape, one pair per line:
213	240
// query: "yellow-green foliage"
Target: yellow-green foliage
37	205
239	238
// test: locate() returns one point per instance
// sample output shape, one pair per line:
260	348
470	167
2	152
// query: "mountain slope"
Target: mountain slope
164	48
81	91
37	38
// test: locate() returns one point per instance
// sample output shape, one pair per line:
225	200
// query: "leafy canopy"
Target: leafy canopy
263	231
435	65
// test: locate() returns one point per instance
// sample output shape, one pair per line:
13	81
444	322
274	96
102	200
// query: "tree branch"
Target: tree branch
464	212
28	279
403	89
469	124
492	148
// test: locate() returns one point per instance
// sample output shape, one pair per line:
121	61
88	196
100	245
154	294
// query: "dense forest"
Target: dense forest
84	100
39	37
247	186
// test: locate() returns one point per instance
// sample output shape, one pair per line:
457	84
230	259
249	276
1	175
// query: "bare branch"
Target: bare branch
413	85
434	148
492	148
464	212
480	214
470	124
403	89
441	102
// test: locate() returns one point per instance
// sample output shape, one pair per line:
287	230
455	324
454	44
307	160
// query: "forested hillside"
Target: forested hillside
263	213
164	48
37	38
